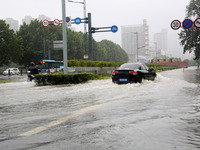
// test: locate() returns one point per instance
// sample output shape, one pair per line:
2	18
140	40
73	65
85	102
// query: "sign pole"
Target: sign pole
64	37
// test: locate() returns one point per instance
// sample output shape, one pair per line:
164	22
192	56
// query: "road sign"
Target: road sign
197	23
176	24
45	23
187	23
114	28
68	19
77	20
56	22
85	56
58	45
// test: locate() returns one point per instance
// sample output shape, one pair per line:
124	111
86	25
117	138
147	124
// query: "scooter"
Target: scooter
30	76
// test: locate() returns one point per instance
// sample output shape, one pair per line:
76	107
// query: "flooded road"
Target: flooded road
99	115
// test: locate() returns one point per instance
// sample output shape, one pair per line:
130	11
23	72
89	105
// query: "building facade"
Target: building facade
161	40
135	41
28	19
13	24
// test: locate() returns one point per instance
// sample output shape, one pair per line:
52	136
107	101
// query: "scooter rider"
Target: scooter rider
32	70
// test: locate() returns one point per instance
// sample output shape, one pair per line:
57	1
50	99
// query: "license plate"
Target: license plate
123	80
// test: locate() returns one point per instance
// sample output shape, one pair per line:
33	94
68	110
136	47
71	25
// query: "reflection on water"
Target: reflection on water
193	119
192	75
191	129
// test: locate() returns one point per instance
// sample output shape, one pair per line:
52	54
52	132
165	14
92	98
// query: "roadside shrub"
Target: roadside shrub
59	78
73	63
162	67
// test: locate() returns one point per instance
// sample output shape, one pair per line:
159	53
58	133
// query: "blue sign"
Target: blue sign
77	20
114	29
187	23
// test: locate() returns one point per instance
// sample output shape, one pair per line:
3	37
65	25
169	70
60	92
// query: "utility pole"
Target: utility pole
85	29
44	47
137	45
49	50
64	37
90	36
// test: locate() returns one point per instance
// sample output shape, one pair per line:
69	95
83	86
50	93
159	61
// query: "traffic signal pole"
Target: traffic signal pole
90	36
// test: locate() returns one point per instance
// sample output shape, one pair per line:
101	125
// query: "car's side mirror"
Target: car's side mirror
151	69
140	68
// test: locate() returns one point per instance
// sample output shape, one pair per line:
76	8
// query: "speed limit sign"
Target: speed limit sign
45	23
176	24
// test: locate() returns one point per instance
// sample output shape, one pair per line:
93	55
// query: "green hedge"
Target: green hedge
162	67
88	63
59	78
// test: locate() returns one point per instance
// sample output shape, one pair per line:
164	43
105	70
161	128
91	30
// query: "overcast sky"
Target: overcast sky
159	14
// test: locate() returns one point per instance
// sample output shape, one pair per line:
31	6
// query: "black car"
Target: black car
132	73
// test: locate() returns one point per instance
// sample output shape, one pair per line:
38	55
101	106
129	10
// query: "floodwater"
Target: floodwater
98	115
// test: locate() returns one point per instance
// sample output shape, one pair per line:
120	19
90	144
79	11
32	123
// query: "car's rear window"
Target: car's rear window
129	67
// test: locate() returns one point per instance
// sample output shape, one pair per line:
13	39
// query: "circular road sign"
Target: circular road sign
68	19
176	24
187	23
45	23
77	20
56	22
114	28
197	23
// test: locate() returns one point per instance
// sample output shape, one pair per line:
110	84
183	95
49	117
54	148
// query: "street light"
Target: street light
137	43
84	12
153	52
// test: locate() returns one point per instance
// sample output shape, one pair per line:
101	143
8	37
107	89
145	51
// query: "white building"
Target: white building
14	24
135	40
43	17
161	40
27	19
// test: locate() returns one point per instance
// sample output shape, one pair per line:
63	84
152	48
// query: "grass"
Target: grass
9	80
103	77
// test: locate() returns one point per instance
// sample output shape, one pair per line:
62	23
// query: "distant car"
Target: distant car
132	73
13	71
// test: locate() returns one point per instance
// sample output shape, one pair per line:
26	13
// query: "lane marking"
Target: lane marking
64	119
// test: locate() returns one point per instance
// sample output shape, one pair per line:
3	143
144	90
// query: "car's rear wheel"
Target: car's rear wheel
140	79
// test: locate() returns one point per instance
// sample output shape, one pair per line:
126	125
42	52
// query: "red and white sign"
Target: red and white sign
56	22
68	19
176	24
85	56
45	23
197	23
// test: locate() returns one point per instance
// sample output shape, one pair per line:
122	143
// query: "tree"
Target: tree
190	38
11	49
34	35
112	52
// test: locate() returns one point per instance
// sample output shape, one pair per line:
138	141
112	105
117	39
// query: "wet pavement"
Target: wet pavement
13	77
163	114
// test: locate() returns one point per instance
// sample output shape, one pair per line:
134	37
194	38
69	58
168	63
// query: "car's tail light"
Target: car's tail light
133	72
115	72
